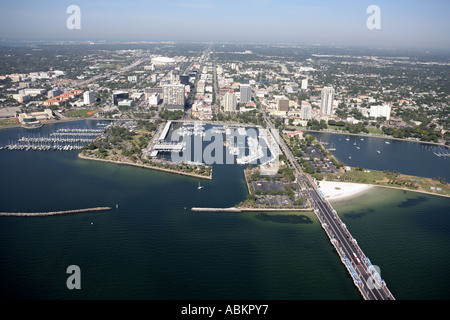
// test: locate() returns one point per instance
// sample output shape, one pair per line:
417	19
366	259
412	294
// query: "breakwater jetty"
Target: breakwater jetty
54	213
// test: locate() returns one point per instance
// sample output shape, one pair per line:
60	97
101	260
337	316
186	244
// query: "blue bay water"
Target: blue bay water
412	158
153	247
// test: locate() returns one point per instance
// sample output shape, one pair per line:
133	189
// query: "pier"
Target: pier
165	132
54	213
170	147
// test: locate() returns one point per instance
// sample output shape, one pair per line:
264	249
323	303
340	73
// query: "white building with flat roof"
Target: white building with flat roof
229	102
306	111
89	97
154	100
304	84
327	101
381	111
133	78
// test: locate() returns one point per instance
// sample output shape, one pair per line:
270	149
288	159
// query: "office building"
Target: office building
133	79
229	102
88	97
282	105
175	77
306	112
304	84
118	96
326	103
174	95
153	100
246	93
54	93
381	111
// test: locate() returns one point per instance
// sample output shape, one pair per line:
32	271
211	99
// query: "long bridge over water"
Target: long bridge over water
365	276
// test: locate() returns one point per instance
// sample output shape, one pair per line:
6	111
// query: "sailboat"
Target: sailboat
332	147
200	186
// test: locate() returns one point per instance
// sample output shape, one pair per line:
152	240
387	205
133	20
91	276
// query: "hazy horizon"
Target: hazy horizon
404	24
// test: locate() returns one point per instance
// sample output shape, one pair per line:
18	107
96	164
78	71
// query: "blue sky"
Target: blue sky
413	23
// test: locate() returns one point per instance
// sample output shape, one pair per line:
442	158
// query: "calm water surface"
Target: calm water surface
153	247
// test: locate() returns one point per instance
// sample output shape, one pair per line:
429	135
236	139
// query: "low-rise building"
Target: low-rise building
35	117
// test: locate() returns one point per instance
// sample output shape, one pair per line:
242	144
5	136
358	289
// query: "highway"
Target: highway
97	77
368	281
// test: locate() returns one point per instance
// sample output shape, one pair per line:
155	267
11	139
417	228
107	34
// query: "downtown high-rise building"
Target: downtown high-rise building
304	84
88	97
174	95
229	102
283	105
381	111
327	100
306	112
246	93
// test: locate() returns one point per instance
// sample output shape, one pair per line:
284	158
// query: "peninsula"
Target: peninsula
125	142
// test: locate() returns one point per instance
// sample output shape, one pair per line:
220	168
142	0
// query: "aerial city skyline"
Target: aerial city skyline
208	150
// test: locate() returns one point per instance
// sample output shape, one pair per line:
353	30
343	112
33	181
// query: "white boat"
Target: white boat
387	142
200	186
378	151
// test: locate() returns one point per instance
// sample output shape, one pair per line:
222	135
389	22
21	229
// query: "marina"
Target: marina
441	152
63	139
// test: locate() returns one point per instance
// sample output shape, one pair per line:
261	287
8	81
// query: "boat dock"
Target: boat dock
165	132
61	140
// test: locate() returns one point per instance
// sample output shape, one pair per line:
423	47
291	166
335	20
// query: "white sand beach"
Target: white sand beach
339	190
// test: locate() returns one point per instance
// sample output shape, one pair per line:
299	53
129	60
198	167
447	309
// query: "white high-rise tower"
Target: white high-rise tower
229	102
326	103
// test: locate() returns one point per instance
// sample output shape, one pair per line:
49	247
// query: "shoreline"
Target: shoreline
245	209
333	190
353	189
44	122
377	136
146	167
417	191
